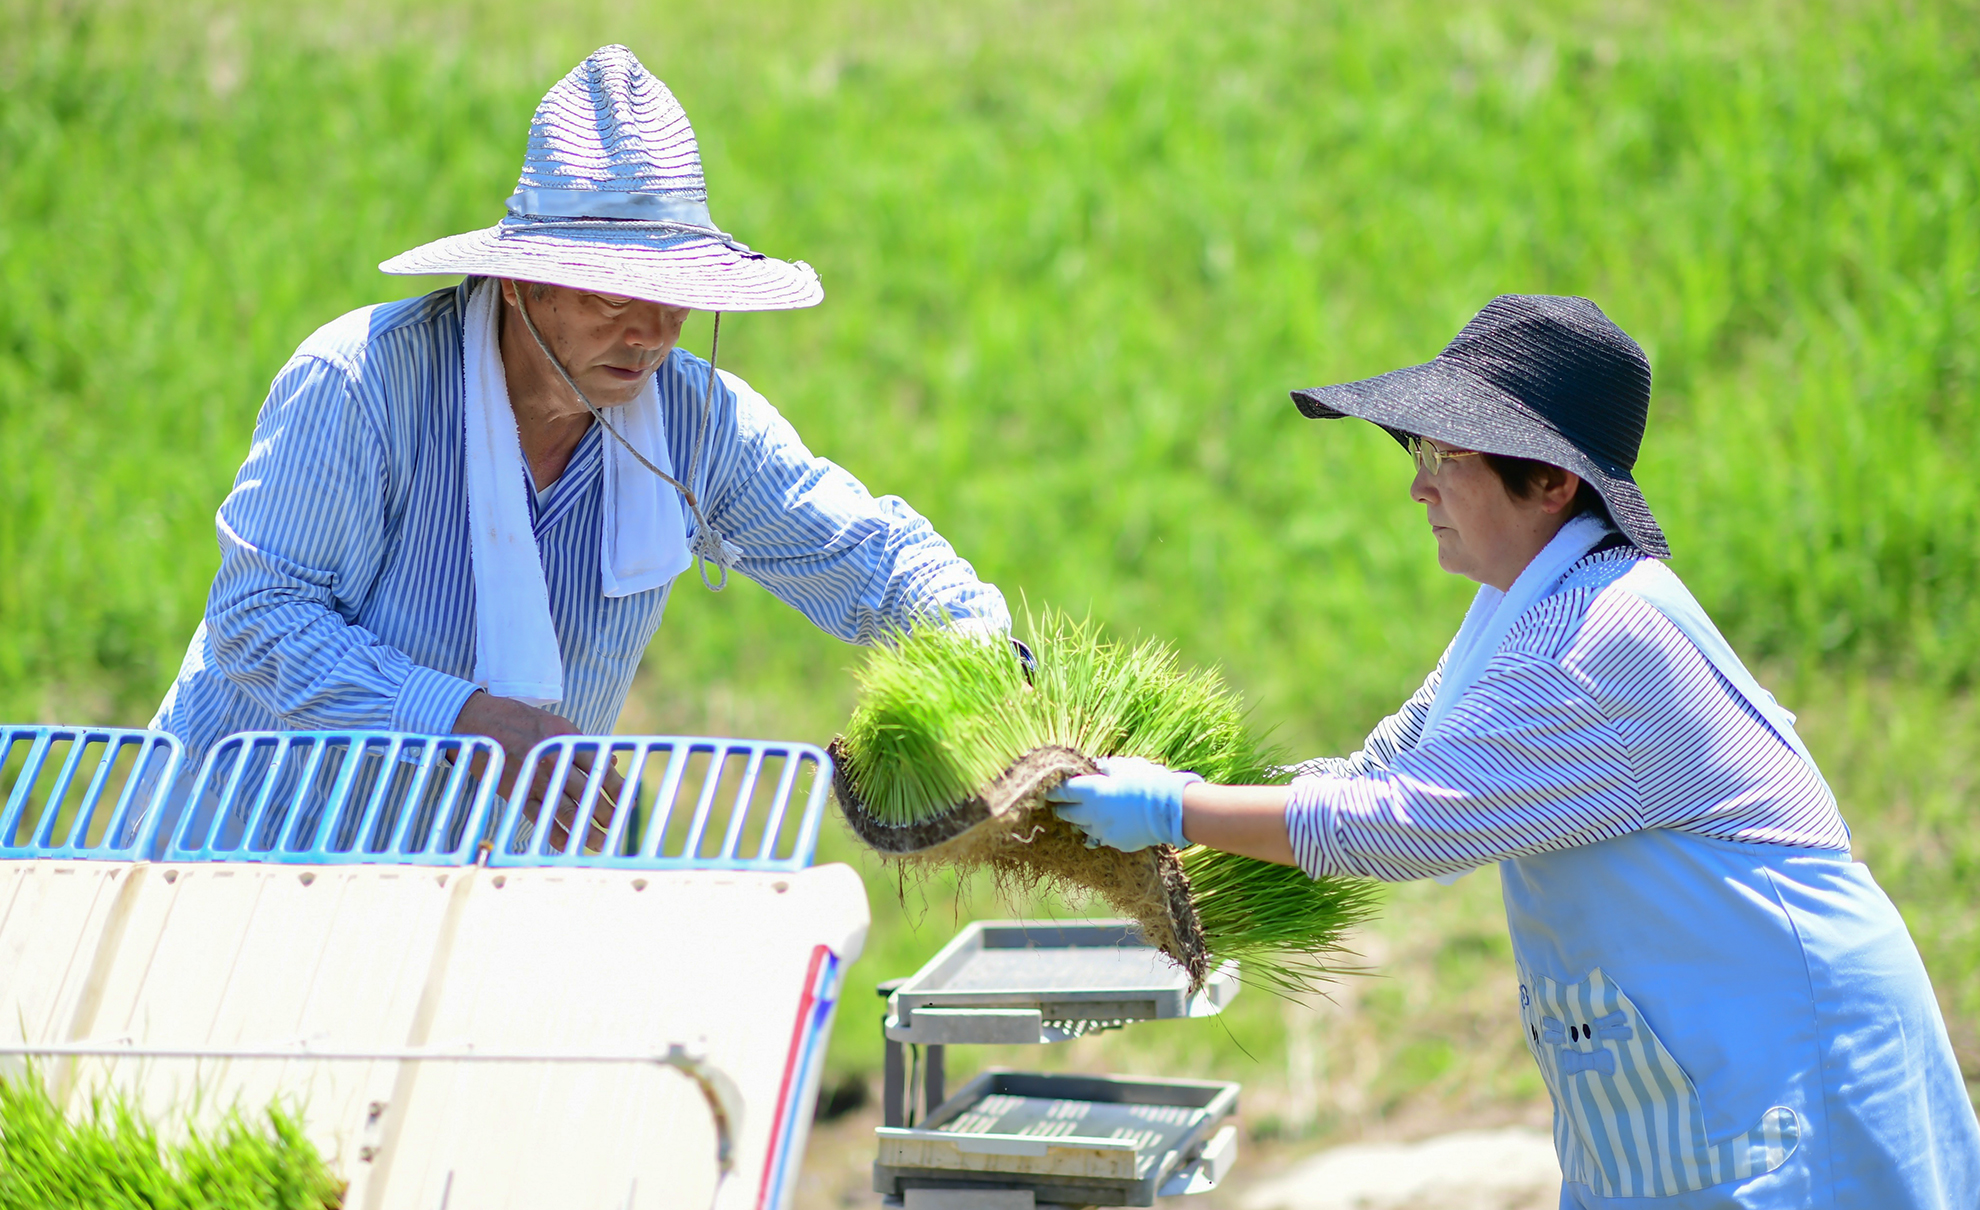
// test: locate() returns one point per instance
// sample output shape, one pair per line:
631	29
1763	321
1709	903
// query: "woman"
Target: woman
1727	1011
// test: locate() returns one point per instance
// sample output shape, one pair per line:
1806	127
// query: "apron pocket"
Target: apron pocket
1627	1119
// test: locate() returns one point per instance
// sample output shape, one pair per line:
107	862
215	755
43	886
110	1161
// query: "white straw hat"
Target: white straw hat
612	199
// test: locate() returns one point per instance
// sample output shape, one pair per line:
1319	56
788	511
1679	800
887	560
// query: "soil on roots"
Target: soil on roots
1012	831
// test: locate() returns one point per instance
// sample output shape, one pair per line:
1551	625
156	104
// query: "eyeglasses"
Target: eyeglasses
1431	458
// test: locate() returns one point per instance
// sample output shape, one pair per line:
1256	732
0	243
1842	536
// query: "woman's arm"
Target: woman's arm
1247	820
1529	765
1251	820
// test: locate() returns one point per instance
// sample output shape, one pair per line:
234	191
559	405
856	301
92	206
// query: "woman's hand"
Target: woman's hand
1129	805
1133	803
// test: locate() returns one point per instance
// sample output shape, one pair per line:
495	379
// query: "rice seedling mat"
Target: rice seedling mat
955	745
1019	981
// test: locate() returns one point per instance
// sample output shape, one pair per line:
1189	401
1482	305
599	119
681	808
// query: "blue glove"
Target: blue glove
1130	804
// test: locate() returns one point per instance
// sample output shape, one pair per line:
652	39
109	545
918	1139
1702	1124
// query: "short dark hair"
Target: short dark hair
1522	478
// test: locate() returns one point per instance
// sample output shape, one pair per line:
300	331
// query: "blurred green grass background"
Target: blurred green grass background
1075	254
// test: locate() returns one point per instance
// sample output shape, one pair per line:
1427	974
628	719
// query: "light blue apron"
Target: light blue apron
1733	1025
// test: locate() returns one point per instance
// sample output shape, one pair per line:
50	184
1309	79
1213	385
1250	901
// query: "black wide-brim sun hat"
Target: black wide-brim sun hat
1531	376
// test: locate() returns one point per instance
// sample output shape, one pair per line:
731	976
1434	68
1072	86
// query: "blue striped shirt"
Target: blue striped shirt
1596	718
345	598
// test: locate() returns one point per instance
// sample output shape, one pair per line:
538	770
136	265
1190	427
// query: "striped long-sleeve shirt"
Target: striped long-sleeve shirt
345	598
1596	718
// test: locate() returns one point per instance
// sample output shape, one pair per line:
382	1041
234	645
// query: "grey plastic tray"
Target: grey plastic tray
1082	1140
1027	981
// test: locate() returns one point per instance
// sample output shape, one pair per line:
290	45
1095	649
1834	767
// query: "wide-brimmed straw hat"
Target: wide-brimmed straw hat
1531	376
612	199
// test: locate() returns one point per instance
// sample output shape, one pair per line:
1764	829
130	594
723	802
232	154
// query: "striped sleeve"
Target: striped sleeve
1596	718
1526	764
302	538
857	565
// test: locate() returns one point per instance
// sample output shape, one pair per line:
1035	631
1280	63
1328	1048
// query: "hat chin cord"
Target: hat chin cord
709	545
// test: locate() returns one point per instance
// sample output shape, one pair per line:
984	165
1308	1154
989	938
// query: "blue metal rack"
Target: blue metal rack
340	797
738	794
336	797
65	776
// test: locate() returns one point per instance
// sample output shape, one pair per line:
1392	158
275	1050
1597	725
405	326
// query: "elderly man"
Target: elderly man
463	512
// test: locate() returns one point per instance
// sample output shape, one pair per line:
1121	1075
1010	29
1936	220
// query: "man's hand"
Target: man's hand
518	728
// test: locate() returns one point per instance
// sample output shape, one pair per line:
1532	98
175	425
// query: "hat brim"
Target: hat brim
674	269
1443	402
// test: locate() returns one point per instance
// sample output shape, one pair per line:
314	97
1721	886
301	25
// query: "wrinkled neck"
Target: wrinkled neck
550	420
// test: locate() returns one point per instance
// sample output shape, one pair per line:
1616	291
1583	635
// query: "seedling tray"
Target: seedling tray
1018	981
1072	1139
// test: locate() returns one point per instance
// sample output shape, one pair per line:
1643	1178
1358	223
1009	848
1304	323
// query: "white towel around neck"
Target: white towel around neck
644	533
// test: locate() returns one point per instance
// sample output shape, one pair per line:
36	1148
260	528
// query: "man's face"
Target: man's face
608	343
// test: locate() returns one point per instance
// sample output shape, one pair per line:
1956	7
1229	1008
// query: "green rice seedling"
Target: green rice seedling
948	755
112	1156
1281	927
941	713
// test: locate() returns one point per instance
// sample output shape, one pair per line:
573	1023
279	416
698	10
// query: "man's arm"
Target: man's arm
856	565
302	535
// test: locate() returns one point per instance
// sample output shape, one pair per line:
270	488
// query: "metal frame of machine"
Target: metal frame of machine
1016	1134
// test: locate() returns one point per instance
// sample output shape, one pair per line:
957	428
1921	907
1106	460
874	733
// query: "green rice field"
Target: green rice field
1075	254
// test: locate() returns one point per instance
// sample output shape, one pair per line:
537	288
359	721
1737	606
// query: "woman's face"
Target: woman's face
1483	531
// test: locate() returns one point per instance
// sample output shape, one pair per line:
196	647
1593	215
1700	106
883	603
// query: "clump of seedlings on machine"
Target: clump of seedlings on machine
953	745
112	1154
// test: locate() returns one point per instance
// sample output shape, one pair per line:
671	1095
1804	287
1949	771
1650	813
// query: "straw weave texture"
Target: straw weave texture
607	139
611	125
1531	376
